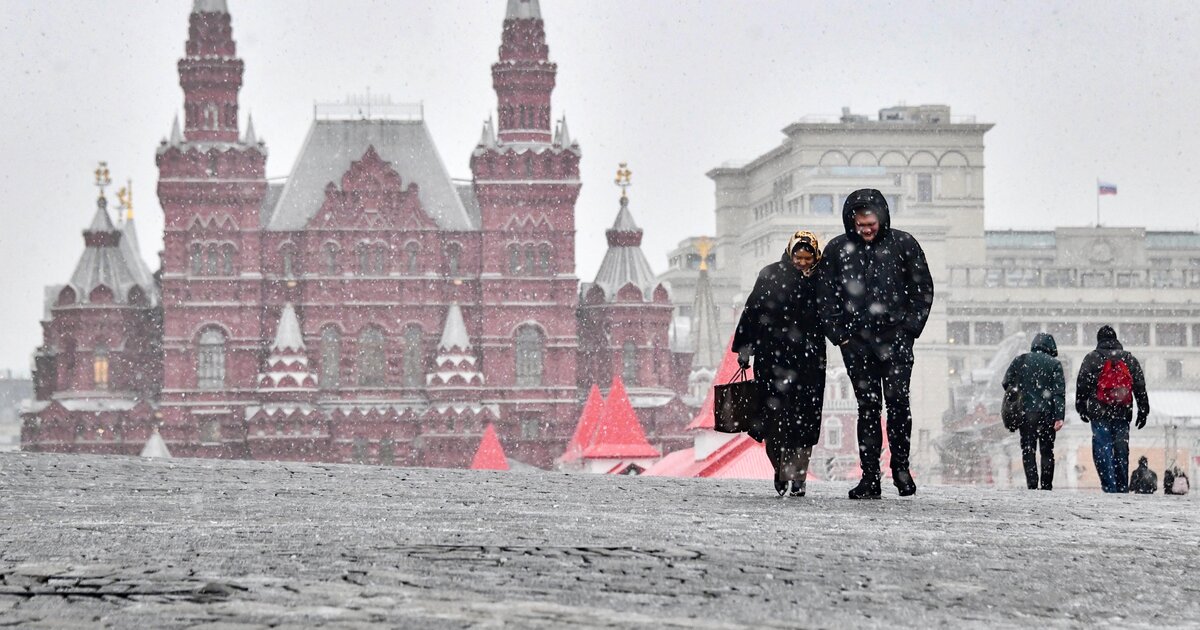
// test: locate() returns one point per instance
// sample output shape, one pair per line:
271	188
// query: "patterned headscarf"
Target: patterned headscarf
807	240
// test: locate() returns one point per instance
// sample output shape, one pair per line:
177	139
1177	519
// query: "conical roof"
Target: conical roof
454	333
287	368
155	446
209	6
624	263
287	334
585	430
490	454
705	331
522	10
619	434
107	262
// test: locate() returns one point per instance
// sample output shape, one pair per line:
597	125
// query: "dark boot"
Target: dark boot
903	481
781	486
798	488
868	488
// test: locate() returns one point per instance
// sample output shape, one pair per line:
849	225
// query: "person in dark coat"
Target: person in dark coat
880	293
1038	378
1143	480
781	329
1104	372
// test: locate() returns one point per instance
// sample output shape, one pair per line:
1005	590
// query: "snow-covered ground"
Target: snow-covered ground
122	542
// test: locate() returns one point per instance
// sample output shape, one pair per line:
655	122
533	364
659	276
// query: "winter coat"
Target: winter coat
1143	480
1038	376
879	293
781	328
1088	406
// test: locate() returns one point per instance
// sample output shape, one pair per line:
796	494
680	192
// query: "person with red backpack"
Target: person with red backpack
1110	382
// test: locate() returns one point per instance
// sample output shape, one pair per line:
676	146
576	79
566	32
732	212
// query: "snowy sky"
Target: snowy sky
1077	90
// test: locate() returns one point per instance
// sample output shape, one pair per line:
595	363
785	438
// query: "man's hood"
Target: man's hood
1044	342
1106	339
866	198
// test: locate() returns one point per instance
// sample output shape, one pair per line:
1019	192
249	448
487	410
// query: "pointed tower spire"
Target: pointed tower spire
705	330
524	76
250	138
287	334
490	454
287	366
176	134
454	335
564	137
210	75
456	362
156	447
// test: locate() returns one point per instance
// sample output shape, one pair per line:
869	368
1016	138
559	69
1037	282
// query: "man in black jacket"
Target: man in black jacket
879	296
1110	381
1038	378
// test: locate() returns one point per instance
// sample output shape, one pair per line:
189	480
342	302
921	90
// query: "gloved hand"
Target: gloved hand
744	358
1141	422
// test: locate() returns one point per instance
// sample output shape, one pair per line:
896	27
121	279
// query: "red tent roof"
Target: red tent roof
589	418
490	455
619	433
725	372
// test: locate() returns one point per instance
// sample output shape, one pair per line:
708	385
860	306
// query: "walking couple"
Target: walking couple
869	292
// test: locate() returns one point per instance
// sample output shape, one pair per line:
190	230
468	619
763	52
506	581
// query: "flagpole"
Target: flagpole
1097	202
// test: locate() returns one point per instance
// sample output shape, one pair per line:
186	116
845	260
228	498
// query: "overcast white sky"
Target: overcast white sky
1077	90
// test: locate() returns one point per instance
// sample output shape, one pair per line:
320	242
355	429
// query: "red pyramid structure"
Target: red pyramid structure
589	419
729	367
490	455
619	434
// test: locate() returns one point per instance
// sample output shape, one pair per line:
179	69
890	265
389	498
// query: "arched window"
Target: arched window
287	260
629	362
530	259
196	259
514	259
210	359
411	252
364	259
329	259
213	263
211	116
414	357
379	259
100	366
372	357
530	356
228	252
453	258
331	358
544	259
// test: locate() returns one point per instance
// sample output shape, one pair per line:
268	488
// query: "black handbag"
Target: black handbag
1010	410
736	405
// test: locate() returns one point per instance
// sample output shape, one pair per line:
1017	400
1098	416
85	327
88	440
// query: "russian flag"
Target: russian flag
1106	188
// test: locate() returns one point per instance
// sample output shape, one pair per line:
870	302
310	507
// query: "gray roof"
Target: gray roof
1017	239
333	144
624	262
269	201
209	6
132	251
521	9
116	266
466	192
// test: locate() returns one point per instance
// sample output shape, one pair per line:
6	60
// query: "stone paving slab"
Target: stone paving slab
89	541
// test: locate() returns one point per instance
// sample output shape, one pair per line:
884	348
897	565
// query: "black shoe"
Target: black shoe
782	487
798	488
903	481
868	488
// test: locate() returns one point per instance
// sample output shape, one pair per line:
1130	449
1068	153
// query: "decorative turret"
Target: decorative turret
624	264
456	362
287	367
524	76
210	75
705	330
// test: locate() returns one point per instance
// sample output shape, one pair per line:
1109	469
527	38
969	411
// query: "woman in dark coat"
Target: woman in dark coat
781	329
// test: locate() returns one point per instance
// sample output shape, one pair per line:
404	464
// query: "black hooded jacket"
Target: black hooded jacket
1039	378
1089	407
878	289
780	324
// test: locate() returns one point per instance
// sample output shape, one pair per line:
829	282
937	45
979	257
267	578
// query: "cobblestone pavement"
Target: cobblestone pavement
122	542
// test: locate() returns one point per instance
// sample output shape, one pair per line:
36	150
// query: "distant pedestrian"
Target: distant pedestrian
1110	381
781	329
1037	376
881	293
1175	481
1143	480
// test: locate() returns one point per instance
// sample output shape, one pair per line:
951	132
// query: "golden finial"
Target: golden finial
704	245
125	199
623	174
102	178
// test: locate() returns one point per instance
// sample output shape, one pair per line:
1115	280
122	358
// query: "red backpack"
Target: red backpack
1115	386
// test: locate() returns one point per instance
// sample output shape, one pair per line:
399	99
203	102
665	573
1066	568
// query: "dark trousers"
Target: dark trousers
1110	451
875	383
1037	435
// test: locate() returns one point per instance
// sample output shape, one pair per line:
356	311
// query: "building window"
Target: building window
893	203
1135	334
372	357
1196	334
924	187
363	255
228	253
331	358
210	359
196	259
100	367
821	204
412	252
379	259
956	367
989	333
211	433
329	259
531	426
387	452
833	435
414	357
287	256
1068	376
544	259
514	259
212	263
958	333
358	451
629	363
530	259
530	356
1174	369
453	258
1065	334
1170	334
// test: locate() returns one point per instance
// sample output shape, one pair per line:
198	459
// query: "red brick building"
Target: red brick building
369	308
